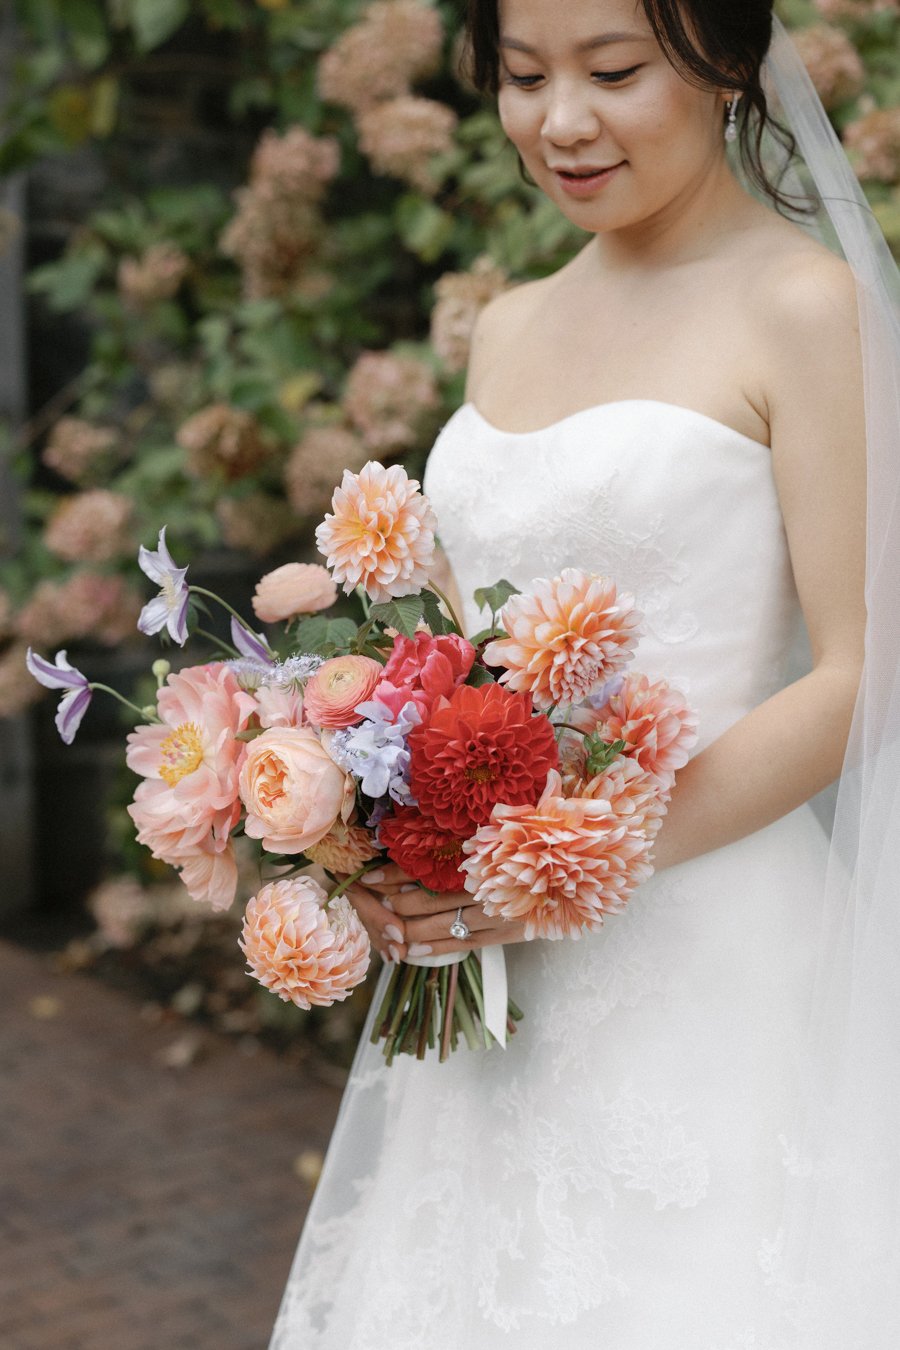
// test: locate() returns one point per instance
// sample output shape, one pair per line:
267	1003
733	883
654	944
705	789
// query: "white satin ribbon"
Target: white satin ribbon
494	983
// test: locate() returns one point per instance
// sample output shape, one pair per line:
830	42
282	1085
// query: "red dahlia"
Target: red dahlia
483	745
425	852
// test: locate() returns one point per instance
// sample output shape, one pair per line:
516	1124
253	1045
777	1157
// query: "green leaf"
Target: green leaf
495	597
600	754
480	675
342	632
402	614
424	228
435	617
155	20
87	33
312	634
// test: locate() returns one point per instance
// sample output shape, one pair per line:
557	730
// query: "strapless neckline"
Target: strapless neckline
613	405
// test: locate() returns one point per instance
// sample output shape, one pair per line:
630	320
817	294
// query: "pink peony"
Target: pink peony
305	949
337	687
559	866
381	533
565	636
295	588
292	789
279	705
424	668
189	803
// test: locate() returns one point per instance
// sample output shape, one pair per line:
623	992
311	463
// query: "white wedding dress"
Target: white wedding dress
613	1179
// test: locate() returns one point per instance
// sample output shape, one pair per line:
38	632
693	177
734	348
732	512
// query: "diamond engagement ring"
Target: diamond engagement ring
459	928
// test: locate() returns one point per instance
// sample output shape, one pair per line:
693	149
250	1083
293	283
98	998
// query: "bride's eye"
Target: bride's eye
523	81
614	76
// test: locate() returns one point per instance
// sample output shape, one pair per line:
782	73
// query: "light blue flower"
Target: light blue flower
376	751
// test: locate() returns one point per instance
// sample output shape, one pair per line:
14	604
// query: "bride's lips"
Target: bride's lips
584	182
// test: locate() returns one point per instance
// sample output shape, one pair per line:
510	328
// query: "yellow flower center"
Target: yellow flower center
479	773
181	753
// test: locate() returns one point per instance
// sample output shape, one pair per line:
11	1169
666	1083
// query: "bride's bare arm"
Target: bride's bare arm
792	746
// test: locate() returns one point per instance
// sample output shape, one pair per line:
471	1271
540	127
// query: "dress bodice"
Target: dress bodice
679	509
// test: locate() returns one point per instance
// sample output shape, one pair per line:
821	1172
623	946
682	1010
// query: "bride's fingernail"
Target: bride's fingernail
419	949
395	954
386	904
411	886
377	875
392	931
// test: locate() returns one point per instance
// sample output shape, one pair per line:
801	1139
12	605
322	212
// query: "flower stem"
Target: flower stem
127	702
354	877
211	595
436	590
219	642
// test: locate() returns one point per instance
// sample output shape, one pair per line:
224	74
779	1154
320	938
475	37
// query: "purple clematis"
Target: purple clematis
74	702
251	645
169	608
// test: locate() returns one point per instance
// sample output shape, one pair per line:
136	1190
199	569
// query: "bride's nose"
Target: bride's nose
569	116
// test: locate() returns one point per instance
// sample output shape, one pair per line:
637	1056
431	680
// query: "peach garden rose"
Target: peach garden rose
295	588
292	789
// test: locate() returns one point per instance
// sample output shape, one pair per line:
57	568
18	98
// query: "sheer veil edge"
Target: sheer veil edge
838	1253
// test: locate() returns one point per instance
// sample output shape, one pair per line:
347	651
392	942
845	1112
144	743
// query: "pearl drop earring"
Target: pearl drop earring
731	132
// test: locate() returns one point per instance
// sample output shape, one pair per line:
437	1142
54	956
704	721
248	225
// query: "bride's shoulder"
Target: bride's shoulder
801	287
507	315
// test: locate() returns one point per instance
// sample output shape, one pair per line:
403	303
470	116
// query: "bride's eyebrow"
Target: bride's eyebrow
589	45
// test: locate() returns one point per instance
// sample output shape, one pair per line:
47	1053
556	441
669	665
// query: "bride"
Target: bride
681	407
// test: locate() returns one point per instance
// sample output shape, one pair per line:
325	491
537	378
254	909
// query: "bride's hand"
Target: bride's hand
426	918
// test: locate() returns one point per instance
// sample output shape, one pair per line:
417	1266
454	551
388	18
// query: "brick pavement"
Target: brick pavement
141	1207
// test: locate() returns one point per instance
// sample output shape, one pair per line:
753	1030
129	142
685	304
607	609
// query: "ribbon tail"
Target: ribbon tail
496	996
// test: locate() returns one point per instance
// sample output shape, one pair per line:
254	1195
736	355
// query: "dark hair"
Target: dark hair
732	38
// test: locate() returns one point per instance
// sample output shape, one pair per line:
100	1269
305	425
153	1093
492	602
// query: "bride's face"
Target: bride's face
603	122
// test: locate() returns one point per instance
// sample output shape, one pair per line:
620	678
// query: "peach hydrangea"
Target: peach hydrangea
344	848
76	446
222	439
396	43
317	462
874	145
835	66
388	399
565	636
380	533
292	789
304	948
401	137
188	804
559	866
337	687
460	297
92	526
155	275
295	588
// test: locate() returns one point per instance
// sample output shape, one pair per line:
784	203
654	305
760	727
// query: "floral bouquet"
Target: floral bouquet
527	766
